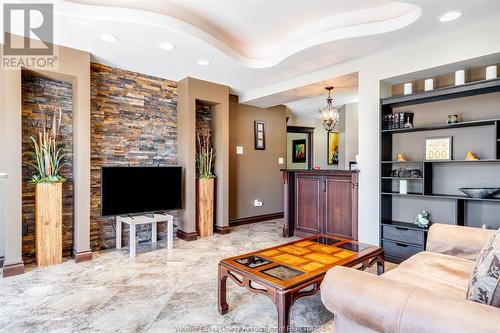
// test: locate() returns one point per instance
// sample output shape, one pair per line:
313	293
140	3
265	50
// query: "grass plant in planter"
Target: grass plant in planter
205	158
47	160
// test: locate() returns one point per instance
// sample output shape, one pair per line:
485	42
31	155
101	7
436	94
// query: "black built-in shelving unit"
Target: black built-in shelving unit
402	239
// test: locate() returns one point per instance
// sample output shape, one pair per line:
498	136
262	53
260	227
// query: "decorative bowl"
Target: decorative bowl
479	192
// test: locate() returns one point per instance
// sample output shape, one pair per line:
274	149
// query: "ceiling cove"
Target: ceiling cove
254	33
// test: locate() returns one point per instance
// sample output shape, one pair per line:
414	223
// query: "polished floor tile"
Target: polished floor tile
159	291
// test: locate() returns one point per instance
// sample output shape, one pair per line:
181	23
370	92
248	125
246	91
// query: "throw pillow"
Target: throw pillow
484	286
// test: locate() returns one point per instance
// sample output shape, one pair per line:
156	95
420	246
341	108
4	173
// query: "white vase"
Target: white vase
403	186
428	84
459	77
408	88
491	72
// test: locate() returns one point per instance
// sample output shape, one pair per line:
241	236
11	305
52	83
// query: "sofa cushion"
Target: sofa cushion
457	241
440	273
484	286
443	267
425	282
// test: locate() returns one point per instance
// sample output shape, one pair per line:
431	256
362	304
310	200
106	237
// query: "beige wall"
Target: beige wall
351	133
290	137
348	136
189	91
10	139
255	174
74	66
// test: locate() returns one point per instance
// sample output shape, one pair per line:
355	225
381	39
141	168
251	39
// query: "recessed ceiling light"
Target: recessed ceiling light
450	16
203	62
167	46
109	38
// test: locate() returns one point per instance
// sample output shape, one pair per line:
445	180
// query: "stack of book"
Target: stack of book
398	120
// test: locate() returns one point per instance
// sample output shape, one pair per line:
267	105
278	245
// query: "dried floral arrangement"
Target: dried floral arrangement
47	155
205	153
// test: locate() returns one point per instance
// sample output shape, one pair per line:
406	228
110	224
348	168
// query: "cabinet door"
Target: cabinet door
338	206
308	203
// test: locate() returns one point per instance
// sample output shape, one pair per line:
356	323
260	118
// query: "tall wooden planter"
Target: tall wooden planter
48	224
205	207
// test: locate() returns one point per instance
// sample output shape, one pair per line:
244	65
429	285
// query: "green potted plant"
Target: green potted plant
46	158
205	158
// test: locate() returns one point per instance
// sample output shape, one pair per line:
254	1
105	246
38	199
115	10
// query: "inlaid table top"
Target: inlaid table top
288	265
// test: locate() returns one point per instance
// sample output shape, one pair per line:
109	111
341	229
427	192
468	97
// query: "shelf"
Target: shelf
402	178
406	225
441	196
461	197
474	123
419	195
456	208
444	161
468	89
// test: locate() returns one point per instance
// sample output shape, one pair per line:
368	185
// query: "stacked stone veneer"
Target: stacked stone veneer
46	92
133	122
203	118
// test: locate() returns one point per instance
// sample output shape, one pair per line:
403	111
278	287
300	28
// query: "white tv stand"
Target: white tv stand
144	219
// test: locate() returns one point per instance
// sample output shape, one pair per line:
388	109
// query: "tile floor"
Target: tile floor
159	291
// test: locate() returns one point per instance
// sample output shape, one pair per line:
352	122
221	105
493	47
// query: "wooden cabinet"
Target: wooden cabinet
309	212
338	206
321	202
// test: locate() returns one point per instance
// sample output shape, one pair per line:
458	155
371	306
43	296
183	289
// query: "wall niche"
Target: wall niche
133	123
203	118
204	129
38	89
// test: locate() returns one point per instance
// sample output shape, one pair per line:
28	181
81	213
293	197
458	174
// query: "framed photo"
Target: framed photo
333	148
439	148
259	135
299	151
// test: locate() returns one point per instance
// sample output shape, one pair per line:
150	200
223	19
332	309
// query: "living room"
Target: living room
171	166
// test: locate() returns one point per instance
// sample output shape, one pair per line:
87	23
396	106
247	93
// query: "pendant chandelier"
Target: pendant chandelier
329	115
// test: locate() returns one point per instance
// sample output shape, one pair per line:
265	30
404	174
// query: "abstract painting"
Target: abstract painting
333	148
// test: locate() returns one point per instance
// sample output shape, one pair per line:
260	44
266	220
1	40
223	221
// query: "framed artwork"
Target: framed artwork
259	135
299	151
439	148
333	148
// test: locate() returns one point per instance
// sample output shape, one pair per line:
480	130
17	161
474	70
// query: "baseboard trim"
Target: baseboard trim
255	219
223	230
82	256
13	269
187	236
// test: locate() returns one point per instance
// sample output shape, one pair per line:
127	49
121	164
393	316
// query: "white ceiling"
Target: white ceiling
305	101
252	44
262	33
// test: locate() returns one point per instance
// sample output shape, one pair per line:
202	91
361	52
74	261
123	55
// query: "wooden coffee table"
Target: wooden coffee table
283	272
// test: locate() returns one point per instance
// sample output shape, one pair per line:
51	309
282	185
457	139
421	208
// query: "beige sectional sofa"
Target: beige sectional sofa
426	293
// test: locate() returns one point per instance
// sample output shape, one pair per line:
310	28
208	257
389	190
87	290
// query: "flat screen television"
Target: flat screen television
134	190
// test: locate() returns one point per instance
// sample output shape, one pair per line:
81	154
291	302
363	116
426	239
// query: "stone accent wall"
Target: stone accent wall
133	122
46	92
203	115
203	119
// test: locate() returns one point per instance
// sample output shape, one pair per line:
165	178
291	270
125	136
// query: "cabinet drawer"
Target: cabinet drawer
402	234
400	250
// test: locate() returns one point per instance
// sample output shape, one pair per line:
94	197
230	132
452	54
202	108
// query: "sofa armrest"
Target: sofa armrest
382	305
458	241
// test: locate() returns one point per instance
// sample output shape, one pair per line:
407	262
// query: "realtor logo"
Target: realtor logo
28	36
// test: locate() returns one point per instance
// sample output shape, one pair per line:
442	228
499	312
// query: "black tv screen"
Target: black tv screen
131	190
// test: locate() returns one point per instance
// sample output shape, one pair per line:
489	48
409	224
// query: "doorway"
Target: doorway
300	147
